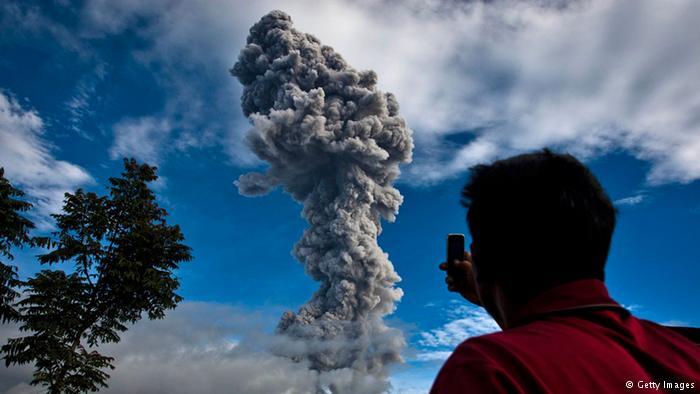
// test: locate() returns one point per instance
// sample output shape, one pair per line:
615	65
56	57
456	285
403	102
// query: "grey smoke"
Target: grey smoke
334	142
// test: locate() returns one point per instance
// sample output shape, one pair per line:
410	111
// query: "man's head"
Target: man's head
537	220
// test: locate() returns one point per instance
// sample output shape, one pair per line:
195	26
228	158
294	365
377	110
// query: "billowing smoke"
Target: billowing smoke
334	142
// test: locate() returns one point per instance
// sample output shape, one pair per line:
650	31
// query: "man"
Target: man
541	226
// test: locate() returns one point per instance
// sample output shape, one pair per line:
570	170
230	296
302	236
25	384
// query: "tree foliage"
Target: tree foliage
14	232
124	255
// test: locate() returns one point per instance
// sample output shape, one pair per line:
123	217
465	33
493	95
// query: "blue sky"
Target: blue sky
84	84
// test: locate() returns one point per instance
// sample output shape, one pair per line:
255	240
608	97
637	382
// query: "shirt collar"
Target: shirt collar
571	296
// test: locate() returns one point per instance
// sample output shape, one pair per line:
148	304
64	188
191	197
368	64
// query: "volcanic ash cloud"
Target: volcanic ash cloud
334	142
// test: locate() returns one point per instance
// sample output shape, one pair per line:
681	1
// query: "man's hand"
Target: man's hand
460	278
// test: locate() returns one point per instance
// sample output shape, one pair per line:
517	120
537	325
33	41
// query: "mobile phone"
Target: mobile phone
455	249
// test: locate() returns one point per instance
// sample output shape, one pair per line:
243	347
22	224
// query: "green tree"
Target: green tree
14	232
124	255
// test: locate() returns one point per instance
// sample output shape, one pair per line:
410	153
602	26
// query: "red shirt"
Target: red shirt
573	339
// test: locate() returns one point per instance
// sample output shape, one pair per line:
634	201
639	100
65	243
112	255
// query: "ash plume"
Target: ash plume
334	142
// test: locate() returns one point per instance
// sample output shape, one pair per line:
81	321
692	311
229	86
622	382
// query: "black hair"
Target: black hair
538	219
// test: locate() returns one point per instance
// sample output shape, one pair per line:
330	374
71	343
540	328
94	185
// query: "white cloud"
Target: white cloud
142	138
191	47
585	77
675	323
465	321
18	18
197	348
79	106
205	348
433	355
468	322
503	77
29	162
631	200
414	379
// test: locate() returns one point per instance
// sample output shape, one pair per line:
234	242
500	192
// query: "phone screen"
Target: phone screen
455	248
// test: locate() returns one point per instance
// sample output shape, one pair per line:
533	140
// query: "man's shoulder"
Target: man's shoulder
488	363
561	337
473	365
541	339
479	346
483	342
489	348
527	334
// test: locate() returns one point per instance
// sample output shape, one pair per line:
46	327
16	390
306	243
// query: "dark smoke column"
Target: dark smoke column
334	142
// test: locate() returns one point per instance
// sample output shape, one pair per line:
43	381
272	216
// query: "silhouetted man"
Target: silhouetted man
541	226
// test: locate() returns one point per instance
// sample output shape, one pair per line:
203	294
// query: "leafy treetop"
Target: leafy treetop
124	255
